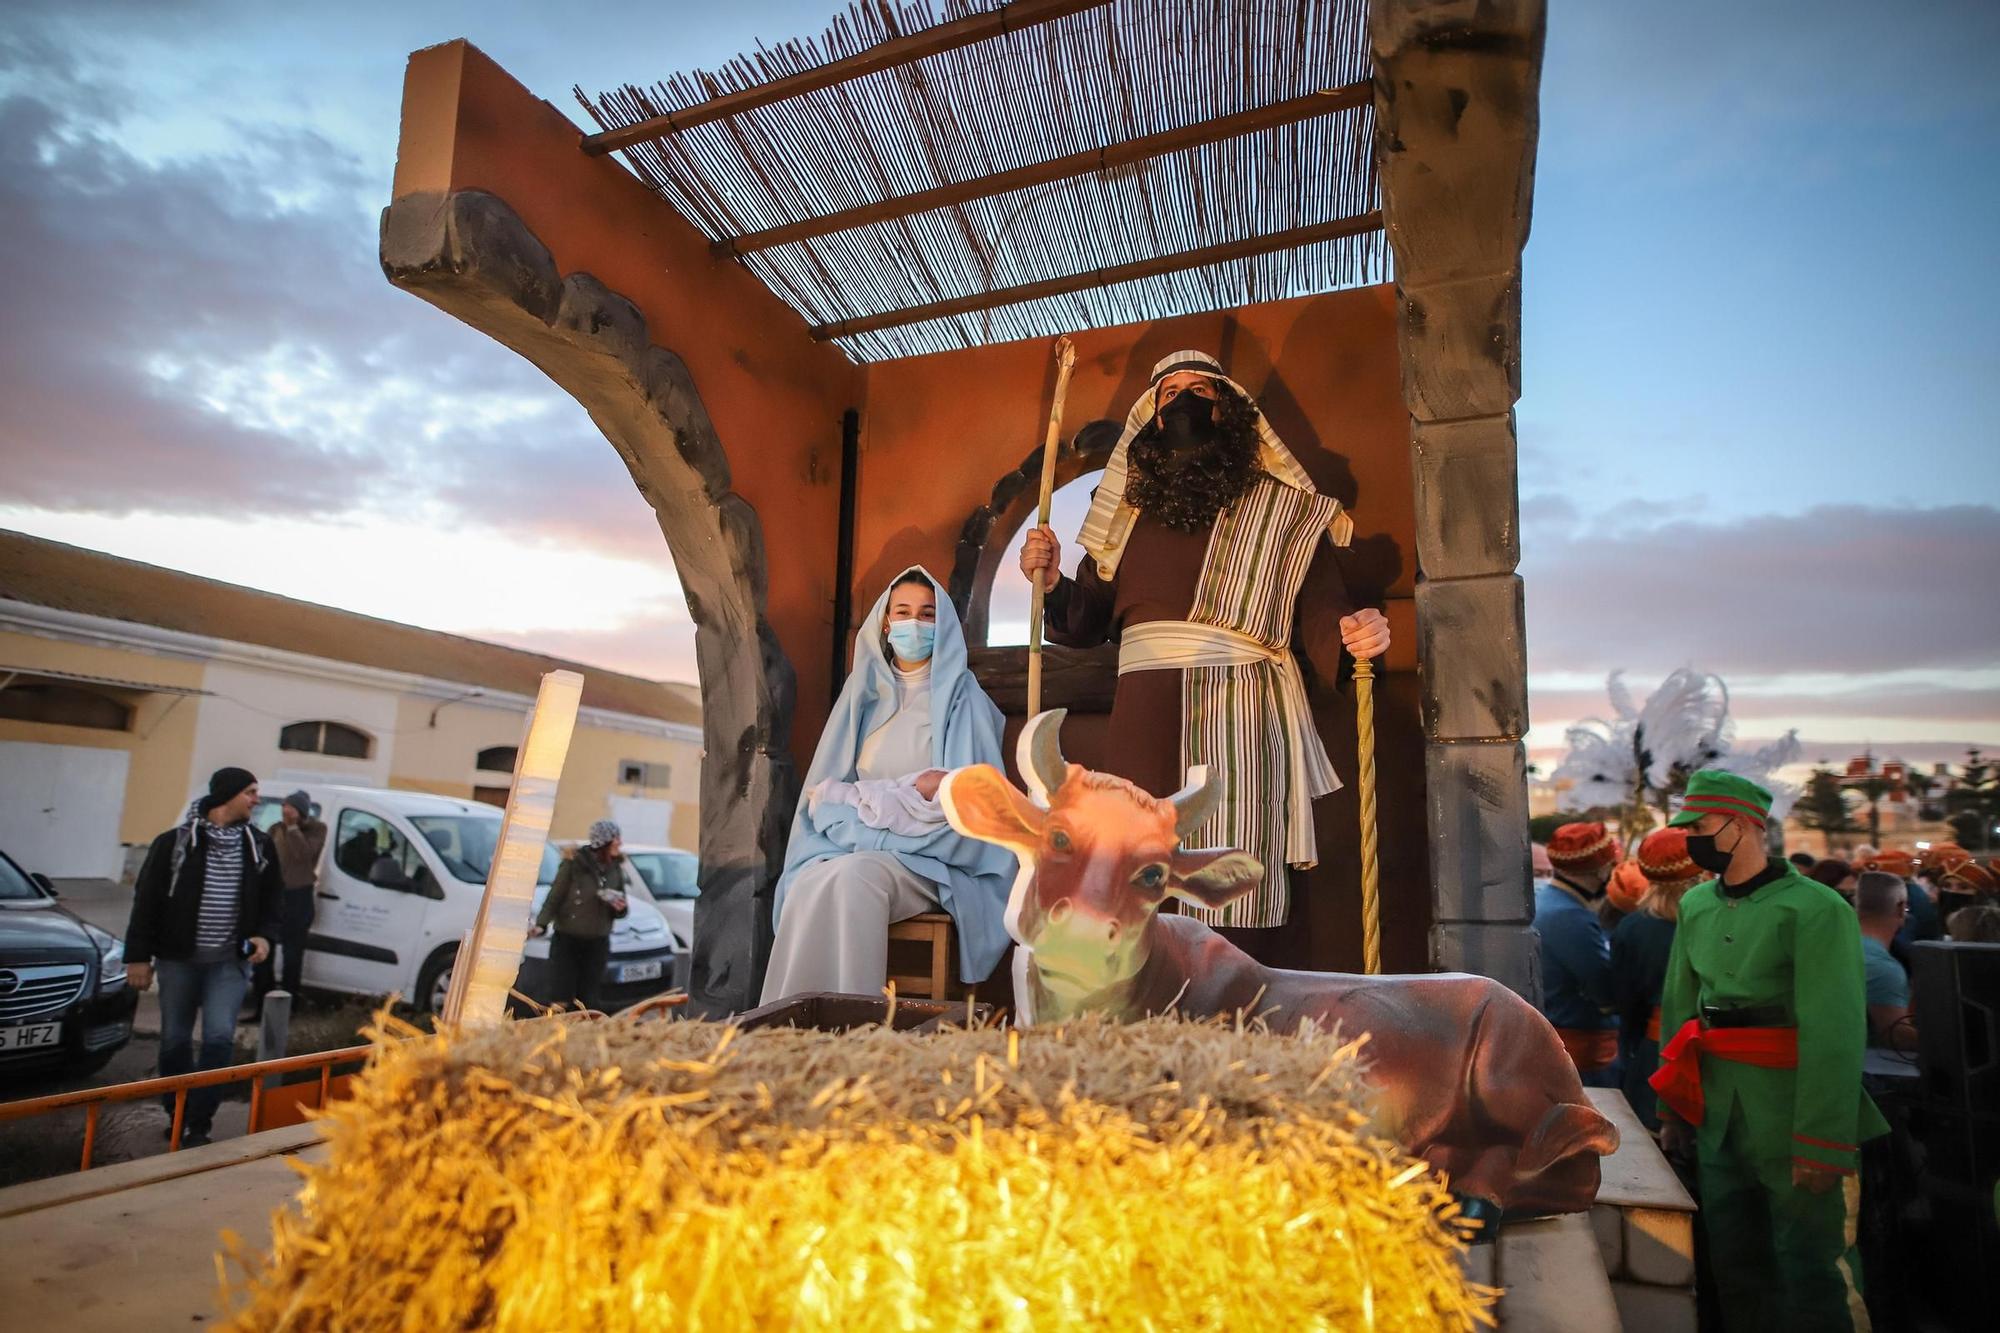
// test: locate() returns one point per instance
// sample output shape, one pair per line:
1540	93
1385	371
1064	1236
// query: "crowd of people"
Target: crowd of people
1732	994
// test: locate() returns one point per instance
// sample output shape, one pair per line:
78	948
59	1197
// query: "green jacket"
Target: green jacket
1793	943
574	903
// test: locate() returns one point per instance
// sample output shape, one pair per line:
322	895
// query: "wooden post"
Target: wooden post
490	957
1371	870
1065	362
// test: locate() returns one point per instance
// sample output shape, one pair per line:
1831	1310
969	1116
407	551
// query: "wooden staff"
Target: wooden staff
1065	361
1371	870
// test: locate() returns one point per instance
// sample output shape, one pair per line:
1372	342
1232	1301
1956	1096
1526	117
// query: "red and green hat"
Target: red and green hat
1714	792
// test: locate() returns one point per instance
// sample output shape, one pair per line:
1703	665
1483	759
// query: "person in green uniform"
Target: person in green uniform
1762	1073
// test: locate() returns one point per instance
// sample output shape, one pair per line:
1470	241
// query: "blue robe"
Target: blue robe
972	878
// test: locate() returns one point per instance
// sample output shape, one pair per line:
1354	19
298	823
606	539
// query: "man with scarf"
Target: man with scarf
1578	998
204	909
1206	557
1765	1016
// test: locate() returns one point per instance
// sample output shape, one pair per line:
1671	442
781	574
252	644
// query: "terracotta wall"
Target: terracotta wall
938	431
775	396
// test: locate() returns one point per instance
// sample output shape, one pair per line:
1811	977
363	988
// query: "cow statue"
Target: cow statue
1469	1076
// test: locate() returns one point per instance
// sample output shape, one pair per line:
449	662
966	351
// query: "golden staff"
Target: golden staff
1371	870
1065	361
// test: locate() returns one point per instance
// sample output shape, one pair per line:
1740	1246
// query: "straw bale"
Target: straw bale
624	1175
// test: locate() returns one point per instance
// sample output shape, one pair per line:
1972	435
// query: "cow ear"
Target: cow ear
1213	878
982	804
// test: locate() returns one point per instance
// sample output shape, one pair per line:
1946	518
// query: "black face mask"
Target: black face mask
1187	424
1703	851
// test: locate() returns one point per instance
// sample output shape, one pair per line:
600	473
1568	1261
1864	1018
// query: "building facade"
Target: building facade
122	686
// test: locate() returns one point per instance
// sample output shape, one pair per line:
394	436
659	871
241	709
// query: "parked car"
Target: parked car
399	886
666	876
64	1003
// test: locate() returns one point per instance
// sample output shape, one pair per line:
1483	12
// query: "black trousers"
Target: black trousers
295	918
576	966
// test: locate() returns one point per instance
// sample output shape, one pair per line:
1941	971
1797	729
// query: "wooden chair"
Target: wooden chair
939	981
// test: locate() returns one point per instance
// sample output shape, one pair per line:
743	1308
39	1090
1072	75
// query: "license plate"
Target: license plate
639	971
30	1035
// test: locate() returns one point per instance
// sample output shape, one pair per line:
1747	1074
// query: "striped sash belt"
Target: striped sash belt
1179	645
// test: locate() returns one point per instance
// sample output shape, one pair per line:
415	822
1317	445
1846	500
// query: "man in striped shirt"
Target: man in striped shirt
204	910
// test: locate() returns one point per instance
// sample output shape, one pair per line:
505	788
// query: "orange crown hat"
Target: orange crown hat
1582	847
1894	861
1663	856
1968	876
1941	856
1628	885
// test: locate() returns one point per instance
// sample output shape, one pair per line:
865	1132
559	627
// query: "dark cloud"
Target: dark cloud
1838	588
201	335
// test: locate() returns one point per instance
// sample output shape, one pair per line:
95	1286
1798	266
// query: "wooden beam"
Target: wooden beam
896	51
1058	168
1104	277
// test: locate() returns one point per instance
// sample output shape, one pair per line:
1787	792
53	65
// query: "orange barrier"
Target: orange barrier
285	1101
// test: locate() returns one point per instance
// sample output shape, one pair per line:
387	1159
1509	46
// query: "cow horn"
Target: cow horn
1038	754
1194	803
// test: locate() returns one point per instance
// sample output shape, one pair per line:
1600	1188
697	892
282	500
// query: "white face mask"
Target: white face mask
912	640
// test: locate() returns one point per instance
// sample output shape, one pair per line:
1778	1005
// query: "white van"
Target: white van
399	885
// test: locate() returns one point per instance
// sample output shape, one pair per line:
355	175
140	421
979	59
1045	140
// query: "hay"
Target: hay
617	1175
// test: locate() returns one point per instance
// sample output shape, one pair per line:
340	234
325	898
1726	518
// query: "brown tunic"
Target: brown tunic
1157	580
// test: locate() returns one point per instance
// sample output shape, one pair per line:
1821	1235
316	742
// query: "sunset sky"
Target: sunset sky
1760	346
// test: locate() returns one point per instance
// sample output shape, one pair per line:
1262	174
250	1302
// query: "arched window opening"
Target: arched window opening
1007	602
336	739
63	705
498	758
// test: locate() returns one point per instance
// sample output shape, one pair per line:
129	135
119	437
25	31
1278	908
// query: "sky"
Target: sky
1759	345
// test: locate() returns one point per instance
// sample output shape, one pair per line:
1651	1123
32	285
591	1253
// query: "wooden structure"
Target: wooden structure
806	297
933	932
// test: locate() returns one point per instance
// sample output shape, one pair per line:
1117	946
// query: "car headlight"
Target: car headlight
111	964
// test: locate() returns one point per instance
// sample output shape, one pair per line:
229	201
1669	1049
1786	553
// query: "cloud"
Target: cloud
1838	588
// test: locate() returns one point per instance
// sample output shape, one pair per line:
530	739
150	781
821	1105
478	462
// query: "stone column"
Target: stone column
1456	116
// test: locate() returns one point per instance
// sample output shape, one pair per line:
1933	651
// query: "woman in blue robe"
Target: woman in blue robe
870	844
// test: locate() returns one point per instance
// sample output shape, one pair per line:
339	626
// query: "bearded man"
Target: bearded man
1207	559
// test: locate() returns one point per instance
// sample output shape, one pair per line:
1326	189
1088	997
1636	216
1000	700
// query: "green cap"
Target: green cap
1714	792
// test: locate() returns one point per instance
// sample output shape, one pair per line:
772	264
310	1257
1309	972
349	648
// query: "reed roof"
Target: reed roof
1289	207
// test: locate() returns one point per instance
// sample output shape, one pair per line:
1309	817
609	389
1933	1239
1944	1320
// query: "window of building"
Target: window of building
64	705
498	758
329	738
638	773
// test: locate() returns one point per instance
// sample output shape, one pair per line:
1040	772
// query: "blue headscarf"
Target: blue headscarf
971	878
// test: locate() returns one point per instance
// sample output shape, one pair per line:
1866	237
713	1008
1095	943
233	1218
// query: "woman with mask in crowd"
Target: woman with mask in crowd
1639	950
870	844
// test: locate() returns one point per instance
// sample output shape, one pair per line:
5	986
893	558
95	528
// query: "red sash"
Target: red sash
1653	1026
1590	1049
1678	1079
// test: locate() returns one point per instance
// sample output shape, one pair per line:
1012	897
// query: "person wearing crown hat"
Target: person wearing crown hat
1210	558
1640	947
1577	994
1921	921
1765	1016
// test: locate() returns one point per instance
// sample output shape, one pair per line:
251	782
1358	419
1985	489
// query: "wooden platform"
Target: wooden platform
133	1246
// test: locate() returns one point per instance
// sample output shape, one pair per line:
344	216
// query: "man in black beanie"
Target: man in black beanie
204	910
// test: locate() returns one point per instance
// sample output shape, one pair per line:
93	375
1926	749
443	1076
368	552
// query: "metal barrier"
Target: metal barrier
93	1100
